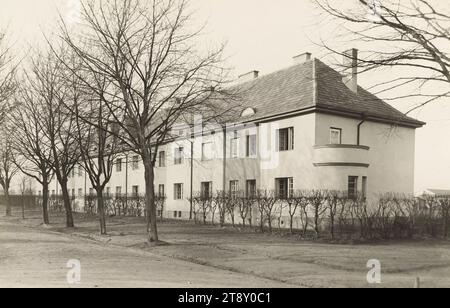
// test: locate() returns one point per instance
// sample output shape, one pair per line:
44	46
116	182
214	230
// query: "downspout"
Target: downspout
358	141
224	186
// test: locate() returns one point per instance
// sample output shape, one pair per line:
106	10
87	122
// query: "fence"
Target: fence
314	213
323	213
119	205
16	201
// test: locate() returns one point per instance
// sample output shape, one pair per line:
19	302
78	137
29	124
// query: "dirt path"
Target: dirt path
31	257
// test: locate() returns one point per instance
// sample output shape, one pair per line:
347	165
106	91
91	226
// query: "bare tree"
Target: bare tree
148	52
412	37
8	169
56	89
245	207
318	200
220	199
8	69
33	154
98	148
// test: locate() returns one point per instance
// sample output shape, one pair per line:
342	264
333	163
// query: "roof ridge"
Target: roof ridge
264	76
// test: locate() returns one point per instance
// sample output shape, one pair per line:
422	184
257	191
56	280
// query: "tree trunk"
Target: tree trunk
23	206
150	202
101	211
67	206
291	224
7	201
45	203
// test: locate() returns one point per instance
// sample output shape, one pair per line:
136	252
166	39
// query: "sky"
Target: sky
261	35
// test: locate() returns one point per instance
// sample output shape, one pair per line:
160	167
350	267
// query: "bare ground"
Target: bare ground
211	256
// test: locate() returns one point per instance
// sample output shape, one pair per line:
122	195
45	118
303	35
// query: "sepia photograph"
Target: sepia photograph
223	151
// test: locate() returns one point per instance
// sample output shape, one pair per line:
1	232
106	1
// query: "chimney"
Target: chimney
302	58
249	76
350	78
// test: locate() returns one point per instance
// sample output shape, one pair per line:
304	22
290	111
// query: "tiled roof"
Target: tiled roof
314	86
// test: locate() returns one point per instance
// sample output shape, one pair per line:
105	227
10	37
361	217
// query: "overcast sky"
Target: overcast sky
262	35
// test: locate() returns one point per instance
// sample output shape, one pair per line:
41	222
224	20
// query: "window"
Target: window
206	189
108	191
352	187
119	165
234	188
284	187
207	151
118	191
162	159
80	192
179	214
161	191
251	189
364	187
80	171
335	136
135	162
285	139
234	146
135	191
179	156
178	192
251	146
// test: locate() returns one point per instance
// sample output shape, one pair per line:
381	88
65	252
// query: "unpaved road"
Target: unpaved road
35	257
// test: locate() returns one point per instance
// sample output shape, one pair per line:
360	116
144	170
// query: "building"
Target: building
303	127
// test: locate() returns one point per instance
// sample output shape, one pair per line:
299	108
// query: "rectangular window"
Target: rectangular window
284	187
119	165
80	171
234	147
161	191
285	139
335	136
108	191
206	189
251	146
234	189
251	189
364	187
352	187
80	192
162	159
135	191
119	191
135	162
178	192
179	156
207	151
